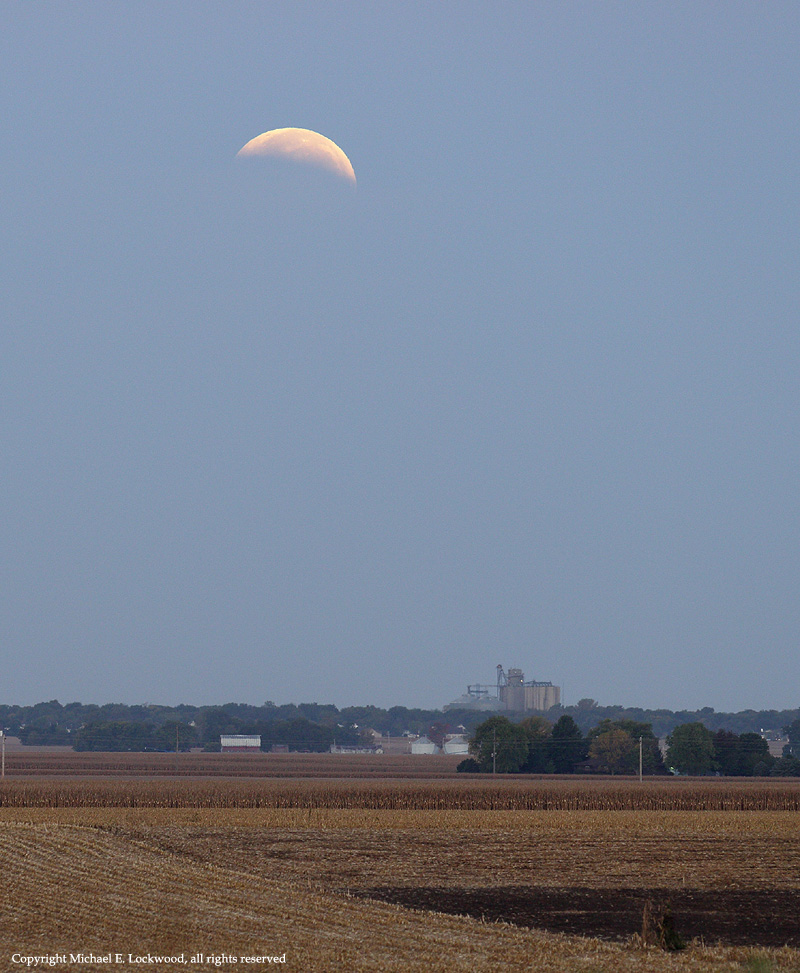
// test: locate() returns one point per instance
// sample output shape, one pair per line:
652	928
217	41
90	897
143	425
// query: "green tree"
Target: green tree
301	734
537	730
468	766
754	755
566	746
740	755
691	749
652	761
614	751
117	736
726	753
787	766
49	736
500	744
213	722
173	734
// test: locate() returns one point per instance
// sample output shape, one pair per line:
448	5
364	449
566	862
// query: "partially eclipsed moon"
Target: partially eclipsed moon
301	145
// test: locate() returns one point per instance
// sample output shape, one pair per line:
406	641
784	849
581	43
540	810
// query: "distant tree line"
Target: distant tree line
694	749
114	726
303	725
297	734
536	746
587	714
119	735
315	726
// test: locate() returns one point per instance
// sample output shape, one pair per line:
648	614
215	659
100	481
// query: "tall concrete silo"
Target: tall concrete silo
541	695
513	693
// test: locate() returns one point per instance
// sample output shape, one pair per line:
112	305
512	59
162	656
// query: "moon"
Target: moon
303	146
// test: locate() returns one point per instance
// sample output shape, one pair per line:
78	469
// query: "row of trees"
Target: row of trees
588	713
535	746
297	734
694	749
127	736
53	723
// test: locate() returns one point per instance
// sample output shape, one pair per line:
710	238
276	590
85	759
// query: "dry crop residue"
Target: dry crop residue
68	888
194	878
645	849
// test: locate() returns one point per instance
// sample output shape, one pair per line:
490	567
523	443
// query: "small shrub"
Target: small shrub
469	766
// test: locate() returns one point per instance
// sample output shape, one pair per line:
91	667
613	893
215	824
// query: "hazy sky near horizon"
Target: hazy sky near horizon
528	396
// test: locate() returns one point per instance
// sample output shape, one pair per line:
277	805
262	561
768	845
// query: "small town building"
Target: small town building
392	744
240	743
337	748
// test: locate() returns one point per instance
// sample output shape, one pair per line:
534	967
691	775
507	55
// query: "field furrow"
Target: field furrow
437	876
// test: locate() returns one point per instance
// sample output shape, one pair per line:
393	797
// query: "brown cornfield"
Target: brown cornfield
62	762
380	864
306	885
425	795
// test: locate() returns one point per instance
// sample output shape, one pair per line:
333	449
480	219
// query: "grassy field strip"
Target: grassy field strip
72	889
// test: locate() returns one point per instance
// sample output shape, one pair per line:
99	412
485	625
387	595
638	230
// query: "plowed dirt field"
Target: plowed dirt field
400	890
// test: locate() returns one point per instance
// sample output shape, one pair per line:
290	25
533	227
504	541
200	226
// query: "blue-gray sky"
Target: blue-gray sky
529	396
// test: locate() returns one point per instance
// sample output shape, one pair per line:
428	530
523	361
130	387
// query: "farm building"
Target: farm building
424	745
456	743
239	743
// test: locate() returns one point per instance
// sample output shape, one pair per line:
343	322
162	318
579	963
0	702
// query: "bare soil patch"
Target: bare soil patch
729	917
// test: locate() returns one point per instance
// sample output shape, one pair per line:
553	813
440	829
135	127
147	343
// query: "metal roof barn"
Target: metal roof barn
240	743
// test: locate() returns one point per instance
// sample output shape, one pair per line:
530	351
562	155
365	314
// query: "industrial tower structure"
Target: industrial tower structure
511	694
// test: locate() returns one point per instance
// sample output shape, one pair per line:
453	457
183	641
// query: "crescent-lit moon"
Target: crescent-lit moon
300	145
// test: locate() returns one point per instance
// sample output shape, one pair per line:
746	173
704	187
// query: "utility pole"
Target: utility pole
640	760
3	749
494	751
